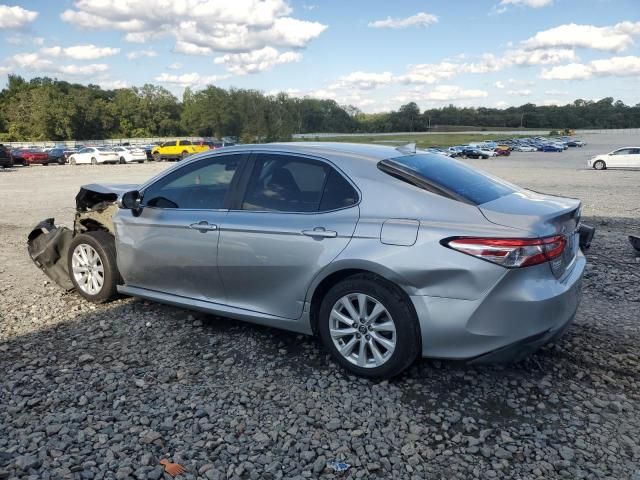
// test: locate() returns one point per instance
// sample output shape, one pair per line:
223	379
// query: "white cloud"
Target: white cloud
193	79
175	66
553	92
80	52
527	3
134	55
540	57
256	61
614	66
24	39
363	80
33	62
429	73
421	19
499	84
15	17
525	92
442	93
112	84
614	38
201	27
502	104
552	102
187	48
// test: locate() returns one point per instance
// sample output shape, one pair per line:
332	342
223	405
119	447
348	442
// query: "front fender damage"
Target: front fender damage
48	244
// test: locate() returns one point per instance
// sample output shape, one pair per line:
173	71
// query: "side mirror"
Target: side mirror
131	201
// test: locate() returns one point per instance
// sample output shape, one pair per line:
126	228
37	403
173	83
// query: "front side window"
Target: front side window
201	185
285	183
622	151
169	144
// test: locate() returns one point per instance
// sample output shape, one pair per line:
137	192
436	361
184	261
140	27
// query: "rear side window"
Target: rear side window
338	193
169	144
285	183
447	177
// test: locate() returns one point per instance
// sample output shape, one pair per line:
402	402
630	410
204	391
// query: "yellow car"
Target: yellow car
176	150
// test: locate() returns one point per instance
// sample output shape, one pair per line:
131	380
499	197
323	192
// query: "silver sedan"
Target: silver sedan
384	253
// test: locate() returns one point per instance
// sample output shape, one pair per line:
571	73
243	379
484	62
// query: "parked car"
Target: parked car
488	153
31	156
549	147
575	143
472	152
6	159
627	157
176	150
57	155
130	154
94	155
502	152
525	148
385	254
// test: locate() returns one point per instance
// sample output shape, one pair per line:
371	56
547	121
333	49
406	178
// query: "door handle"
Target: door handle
203	226
320	232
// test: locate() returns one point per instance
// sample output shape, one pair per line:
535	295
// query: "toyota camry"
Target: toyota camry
386	254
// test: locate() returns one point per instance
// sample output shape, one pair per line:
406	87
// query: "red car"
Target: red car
32	157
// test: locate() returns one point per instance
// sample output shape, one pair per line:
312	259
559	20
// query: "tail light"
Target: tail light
511	252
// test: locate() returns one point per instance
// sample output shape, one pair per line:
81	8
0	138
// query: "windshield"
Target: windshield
451	176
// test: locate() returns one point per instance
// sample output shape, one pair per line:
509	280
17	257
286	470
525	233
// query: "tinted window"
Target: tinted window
448	174
338	193
185	142
202	185
169	144
285	183
622	151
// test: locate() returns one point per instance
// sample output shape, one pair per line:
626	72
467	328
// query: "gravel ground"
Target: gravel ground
106	391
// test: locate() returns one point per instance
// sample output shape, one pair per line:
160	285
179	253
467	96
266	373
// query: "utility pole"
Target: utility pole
522	121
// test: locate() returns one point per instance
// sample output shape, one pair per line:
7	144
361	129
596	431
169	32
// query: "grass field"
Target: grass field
422	141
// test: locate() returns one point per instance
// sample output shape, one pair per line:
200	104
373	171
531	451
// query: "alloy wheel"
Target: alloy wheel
362	330
88	270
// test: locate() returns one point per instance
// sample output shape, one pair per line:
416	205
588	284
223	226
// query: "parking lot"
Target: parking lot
106	391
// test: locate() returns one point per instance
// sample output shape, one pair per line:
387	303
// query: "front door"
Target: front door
620	158
296	216
172	245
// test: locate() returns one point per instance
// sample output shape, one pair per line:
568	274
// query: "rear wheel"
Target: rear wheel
61	161
94	161
156	156
369	327
600	165
122	160
92	266
72	161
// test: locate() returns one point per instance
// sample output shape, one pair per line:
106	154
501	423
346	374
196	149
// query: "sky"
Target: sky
373	54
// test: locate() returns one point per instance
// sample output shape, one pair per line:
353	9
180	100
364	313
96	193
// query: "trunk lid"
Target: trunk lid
540	215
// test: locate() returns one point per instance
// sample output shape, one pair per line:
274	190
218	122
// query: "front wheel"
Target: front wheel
122	160
94	161
600	165
92	266
184	155
369	327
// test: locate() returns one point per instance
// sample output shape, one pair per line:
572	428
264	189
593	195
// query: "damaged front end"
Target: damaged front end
48	244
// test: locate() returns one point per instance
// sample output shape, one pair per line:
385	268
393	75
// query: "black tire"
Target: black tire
399	307
104	245
157	157
94	161
61	161
122	161
599	165
184	155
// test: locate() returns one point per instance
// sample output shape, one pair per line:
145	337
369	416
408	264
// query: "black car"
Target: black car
6	159
18	159
57	155
473	153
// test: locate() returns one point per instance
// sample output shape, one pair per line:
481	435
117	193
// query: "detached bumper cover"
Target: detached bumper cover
48	247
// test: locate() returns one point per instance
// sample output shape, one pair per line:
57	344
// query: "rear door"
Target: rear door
172	246
634	161
620	158
295	215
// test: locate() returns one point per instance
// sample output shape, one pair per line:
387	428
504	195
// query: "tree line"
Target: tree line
49	109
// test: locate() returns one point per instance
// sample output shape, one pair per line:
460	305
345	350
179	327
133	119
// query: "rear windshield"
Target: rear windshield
447	176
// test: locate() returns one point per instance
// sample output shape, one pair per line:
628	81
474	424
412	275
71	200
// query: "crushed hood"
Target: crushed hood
96	193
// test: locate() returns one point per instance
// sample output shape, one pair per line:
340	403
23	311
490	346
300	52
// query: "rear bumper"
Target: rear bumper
526	309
